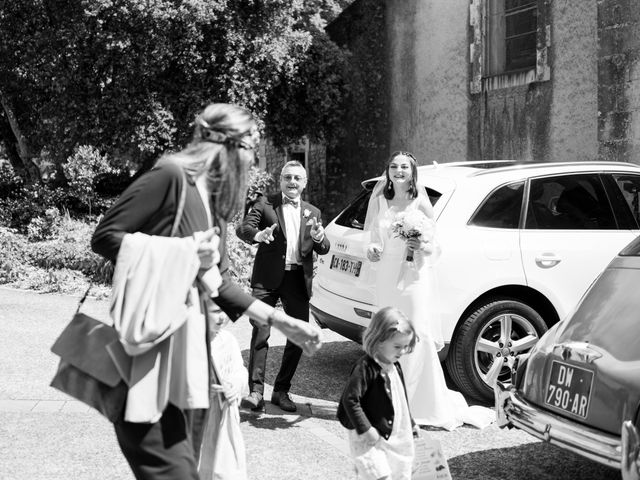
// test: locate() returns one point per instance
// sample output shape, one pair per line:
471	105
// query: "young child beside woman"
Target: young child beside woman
222	455
374	406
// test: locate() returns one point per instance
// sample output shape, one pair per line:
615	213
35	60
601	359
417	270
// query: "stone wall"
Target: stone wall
574	76
428	70
553	117
619	80
417	85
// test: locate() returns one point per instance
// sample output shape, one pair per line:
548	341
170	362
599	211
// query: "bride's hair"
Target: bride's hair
384	324
413	188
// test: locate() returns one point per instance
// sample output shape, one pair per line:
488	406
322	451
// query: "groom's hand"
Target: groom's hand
266	235
317	231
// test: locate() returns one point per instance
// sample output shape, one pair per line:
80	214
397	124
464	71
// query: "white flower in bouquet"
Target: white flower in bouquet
413	224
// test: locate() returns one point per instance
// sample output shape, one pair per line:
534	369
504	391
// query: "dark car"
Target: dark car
579	388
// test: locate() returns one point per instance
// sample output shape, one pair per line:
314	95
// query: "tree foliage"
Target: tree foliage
127	76
310	102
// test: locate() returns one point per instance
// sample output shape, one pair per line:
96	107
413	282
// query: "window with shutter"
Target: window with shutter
509	45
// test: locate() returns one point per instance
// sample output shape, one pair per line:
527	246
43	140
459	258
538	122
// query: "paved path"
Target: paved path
46	435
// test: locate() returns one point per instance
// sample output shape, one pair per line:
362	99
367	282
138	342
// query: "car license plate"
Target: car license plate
569	389
346	264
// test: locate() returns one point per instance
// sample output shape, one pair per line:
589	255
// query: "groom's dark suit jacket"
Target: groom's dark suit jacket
268	269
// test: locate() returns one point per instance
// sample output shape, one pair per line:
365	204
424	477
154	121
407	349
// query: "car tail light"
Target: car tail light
362	313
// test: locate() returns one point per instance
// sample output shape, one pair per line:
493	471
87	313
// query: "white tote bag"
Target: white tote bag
429	462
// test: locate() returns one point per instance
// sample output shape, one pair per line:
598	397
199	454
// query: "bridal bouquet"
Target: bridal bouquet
413	224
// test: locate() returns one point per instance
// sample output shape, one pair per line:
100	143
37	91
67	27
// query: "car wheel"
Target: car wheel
488	341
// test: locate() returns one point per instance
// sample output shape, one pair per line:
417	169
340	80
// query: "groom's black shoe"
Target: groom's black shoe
283	400
254	401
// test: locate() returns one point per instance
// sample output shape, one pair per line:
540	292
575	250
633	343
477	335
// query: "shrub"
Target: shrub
81	170
43	228
20	203
70	248
55	254
13	248
259	184
241	257
10	183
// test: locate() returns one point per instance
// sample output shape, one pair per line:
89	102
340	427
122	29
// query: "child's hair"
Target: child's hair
385	323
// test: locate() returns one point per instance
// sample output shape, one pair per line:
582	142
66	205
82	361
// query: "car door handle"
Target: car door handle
547	260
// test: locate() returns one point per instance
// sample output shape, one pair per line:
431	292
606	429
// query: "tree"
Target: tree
310	102
127	76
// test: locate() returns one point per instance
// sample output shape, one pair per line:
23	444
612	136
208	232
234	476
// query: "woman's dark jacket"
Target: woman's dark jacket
149	205
366	399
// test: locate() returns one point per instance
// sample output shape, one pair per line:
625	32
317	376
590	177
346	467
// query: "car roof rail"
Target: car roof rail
488	167
538	165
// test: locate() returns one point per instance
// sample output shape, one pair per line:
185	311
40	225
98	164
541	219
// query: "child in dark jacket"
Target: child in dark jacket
374	406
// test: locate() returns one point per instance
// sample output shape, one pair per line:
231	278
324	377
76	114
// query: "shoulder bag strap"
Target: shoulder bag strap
181	202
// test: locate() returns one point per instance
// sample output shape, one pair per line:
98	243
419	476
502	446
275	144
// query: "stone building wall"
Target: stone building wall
428	70
619	80
550	116
417	85
573	114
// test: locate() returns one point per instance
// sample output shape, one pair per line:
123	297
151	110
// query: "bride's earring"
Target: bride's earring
389	186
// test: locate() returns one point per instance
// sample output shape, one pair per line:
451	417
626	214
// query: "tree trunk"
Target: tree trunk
16	144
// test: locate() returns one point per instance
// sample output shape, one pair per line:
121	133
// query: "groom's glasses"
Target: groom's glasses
288	177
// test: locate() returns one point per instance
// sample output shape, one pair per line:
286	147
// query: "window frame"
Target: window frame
480	79
602	179
623	211
489	195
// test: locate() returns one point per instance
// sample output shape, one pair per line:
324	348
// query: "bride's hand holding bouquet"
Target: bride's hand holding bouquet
416	229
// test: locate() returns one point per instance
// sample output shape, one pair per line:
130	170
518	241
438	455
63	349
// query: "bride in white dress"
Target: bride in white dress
412	287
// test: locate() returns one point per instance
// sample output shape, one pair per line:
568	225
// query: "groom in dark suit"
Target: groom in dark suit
288	231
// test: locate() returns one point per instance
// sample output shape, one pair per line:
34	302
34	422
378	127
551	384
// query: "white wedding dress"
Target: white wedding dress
413	289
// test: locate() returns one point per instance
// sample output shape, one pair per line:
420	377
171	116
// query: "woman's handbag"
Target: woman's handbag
86	370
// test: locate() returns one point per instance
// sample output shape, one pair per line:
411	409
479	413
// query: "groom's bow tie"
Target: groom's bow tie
290	201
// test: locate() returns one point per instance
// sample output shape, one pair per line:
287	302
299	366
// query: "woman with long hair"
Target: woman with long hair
160	431
412	287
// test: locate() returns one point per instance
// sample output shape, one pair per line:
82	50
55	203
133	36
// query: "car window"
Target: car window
353	216
501	209
629	187
569	202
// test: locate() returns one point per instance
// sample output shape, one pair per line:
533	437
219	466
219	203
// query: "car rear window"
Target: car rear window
353	216
608	315
501	209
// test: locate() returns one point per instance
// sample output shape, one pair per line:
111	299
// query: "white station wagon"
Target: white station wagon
521	243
